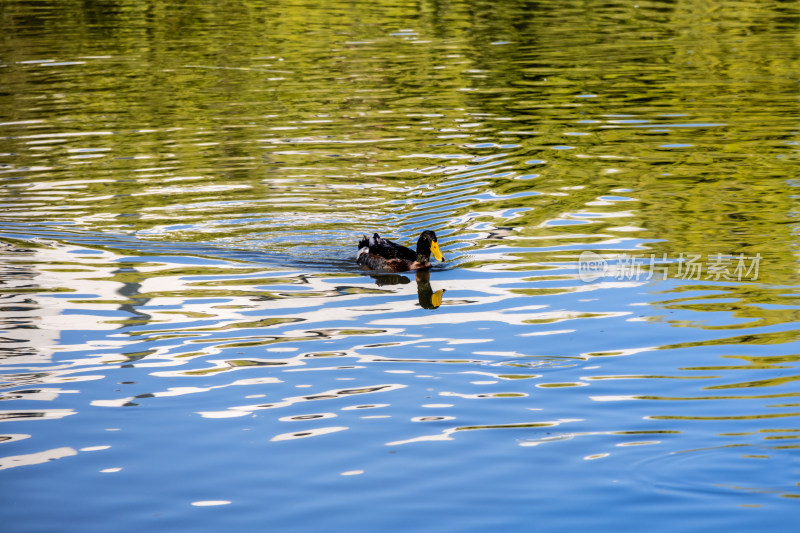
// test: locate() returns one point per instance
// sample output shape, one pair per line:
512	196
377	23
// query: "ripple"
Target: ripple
315	416
178	235
333	394
448	433
718	470
308	433
36	458
34	414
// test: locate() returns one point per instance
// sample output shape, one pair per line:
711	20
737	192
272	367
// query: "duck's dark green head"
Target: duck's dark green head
426	245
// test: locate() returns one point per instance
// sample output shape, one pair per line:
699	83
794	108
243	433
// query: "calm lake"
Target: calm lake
187	343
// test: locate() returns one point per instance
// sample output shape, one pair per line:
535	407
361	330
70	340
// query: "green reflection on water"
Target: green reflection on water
200	122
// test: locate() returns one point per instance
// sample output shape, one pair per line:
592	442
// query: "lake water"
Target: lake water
188	345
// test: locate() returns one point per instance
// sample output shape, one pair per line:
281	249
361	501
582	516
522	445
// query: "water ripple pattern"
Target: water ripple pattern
186	342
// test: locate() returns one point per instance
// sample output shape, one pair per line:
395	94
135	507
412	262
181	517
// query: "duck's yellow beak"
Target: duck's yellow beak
437	253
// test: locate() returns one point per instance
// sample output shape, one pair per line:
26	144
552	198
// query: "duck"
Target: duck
377	253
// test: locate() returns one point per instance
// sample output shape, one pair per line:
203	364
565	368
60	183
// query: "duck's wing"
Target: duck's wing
390	250
378	263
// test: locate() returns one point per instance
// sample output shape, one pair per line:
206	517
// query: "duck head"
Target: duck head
426	245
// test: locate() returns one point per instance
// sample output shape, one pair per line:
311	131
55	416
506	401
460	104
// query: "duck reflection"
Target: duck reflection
390	279
428	298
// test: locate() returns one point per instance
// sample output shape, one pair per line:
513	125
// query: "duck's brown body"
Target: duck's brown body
377	253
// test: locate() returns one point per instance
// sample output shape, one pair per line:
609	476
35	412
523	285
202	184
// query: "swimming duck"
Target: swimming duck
377	253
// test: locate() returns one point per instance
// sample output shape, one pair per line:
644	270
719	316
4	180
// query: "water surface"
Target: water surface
188	344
